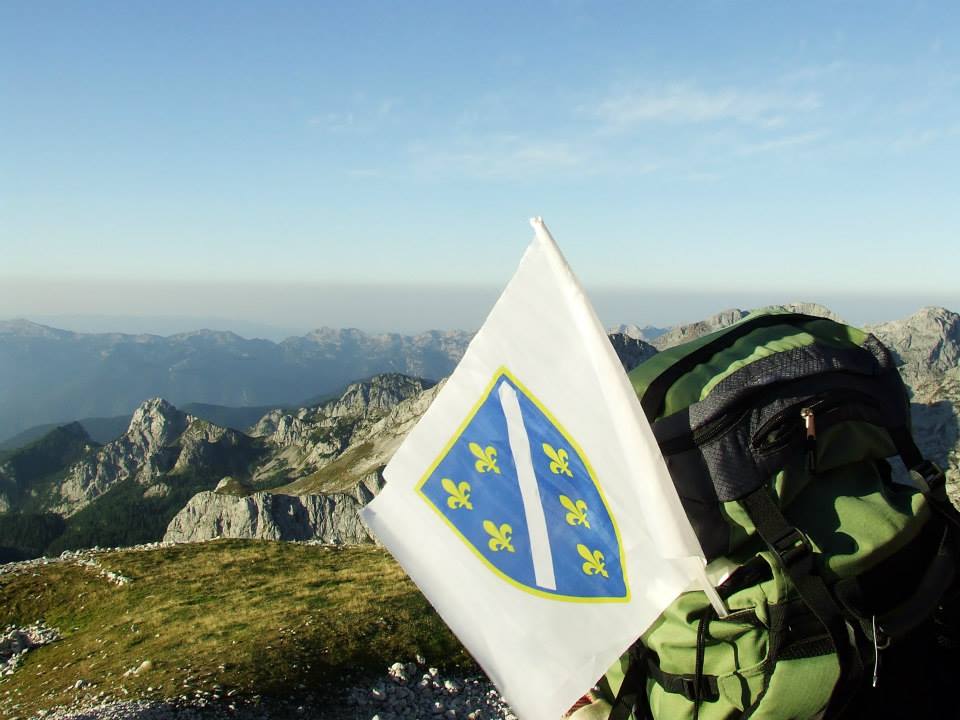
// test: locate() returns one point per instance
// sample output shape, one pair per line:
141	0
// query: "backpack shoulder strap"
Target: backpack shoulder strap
796	558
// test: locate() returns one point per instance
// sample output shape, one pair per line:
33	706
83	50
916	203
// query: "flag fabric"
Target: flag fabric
531	504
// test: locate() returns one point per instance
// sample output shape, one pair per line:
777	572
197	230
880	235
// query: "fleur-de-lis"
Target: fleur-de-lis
459	494
594	564
486	458
499	536
559	460
578	511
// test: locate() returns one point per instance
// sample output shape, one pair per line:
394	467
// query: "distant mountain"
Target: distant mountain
926	346
104	430
30	475
54	376
926	343
100	430
685	333
648	333
65	490
49	376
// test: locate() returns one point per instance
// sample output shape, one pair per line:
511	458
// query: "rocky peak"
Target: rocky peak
379	394
647	333
685	333
810	308
926	342
160	440
72	431
156	423
310	438
631	350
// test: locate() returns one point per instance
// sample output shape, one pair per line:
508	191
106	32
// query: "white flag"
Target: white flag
531	504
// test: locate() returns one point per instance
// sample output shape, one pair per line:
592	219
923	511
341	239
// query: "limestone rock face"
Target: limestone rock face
925	344
160	439
264	516
631	350
809	308
685	333
154	424
305	440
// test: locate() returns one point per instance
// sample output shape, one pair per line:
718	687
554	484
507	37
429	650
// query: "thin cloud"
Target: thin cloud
916	139
365	173
334	121
500	157
688	104
810	73
362	115
779	143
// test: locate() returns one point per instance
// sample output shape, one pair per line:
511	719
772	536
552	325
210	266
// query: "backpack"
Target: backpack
839	581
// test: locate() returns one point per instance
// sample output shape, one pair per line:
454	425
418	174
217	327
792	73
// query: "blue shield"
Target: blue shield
519	491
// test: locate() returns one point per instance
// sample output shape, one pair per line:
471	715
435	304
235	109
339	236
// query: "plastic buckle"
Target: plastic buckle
792	547
928	476
689	689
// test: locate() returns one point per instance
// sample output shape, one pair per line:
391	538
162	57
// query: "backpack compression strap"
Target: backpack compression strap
796	558
930	477
632	696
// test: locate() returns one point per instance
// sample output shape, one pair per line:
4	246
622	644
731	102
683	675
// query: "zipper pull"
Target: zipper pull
810	425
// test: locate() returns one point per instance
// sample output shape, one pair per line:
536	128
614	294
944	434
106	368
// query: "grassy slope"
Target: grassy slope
258	617
342	475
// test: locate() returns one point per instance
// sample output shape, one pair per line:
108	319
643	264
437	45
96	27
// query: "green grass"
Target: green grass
257	617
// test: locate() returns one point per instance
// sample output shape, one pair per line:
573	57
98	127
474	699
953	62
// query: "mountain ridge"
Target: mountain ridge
168	459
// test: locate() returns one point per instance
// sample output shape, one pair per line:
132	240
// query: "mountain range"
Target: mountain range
174	473
55	376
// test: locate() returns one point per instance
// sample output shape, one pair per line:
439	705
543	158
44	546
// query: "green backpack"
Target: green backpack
776	432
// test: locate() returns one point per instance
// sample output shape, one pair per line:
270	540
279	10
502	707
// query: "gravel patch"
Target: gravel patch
15	642
411	690
407	691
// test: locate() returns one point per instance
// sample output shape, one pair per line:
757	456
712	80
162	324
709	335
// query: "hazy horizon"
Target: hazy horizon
277	311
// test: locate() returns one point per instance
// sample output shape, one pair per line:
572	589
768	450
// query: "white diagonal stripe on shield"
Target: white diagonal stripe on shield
529	491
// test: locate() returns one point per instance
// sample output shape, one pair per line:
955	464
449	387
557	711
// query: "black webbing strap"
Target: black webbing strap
932	479
632	695
685	684
796	557
653	397
933	585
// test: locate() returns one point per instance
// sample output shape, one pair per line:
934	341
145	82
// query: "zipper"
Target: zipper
805	413
810	430
713	430
785	422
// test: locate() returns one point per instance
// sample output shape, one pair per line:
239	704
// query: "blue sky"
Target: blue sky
218	154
